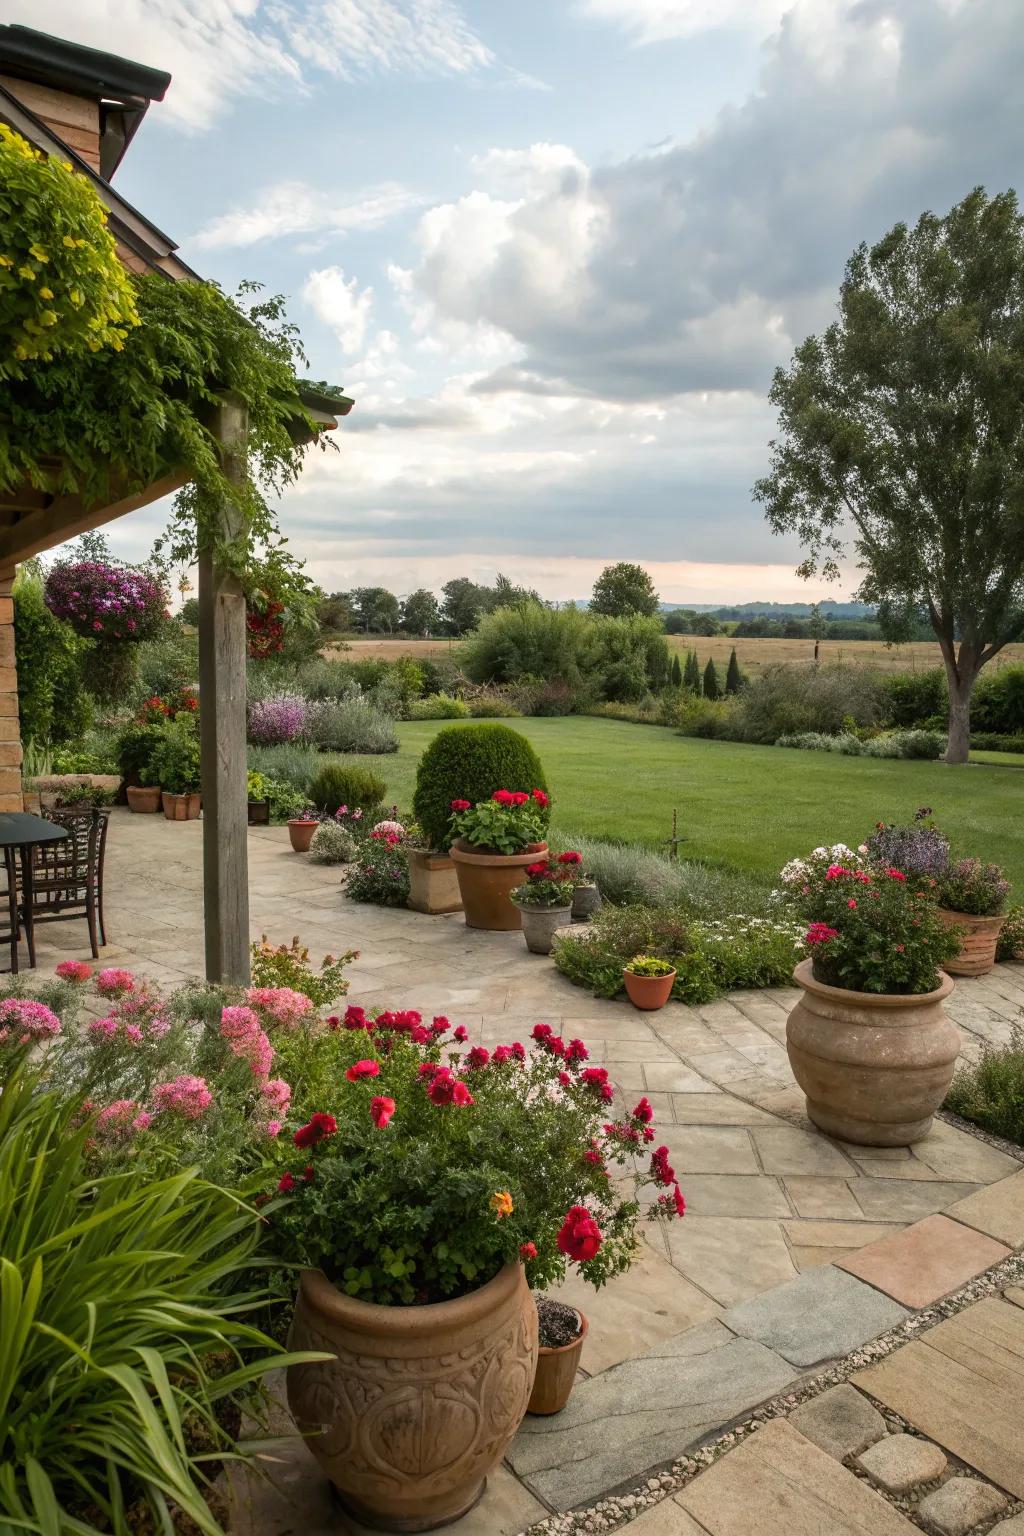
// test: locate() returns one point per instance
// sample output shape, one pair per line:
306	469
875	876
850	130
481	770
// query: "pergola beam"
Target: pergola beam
65	517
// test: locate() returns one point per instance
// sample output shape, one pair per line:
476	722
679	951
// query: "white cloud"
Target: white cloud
340	305
222	50
295	208
656	21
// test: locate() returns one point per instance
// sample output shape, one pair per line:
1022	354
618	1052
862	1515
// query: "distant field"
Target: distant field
917	656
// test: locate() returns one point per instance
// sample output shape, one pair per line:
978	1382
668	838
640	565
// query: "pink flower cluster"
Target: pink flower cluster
114	983
246	1039
122	1118
185	1095
279	1006
74	970
23	1021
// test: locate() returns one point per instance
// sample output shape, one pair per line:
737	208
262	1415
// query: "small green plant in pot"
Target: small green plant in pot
492	845
545	899
175	766
972	901
259	800
649	981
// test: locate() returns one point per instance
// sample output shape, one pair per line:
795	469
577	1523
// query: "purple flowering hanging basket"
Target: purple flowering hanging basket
105	602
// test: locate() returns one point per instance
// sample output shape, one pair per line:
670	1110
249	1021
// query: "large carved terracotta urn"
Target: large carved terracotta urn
419	1403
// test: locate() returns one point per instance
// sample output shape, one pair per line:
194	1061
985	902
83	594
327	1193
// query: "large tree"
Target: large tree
902	431
375	608
622	589
421	613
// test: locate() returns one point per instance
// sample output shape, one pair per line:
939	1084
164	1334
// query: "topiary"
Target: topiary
337	785
469	762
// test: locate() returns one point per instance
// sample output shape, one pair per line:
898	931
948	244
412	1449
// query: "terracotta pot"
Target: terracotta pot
874	1066
301	833
144	799
556	1373
586	902
977	946
419	1404
433	883
648	992
182	807
259	813
486	880
540	924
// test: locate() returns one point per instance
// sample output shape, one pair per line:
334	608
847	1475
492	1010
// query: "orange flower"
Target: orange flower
501	1203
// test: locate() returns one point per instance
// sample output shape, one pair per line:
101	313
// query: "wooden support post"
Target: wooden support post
222	649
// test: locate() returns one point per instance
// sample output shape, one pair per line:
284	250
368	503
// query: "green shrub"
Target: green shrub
169	662
983	741
469	762
379	874
531	641
491	707
911	698
1011	938
991	1094
928	745
813	741
438	706
135	747
96	751
712	719
350	725
52	702
285	800
337	784
332	844
998	701
291	763
121	1338
630	874
174	761
788	700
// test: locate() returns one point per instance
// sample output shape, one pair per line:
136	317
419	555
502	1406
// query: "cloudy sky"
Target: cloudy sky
554	248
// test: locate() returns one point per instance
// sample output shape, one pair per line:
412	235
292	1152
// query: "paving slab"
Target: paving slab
959	1505
962	1384
901	1463
673	1077
886	1199
730	1257
644	1412
717	1108
776	1483
1012	1527
840	1421
710	1149
665	1519
996	1209
926	1260
735	1194
820	1315
955	1154
834	1234
822	1197
784	1149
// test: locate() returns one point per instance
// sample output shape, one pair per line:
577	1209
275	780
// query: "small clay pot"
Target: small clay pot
259	813
648	992
433	883
586	902
486	882
182	807
977	945
556	1373
540	924
144	799
301	833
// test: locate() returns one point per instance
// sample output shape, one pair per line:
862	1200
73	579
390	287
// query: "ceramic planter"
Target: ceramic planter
487	880
586	901
433	883
540	924
184	807
977	945
874	1066
648	992
301	833
144	799
259	813
556	1373
418	1404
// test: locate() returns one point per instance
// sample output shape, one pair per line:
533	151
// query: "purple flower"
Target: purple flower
279	718
93	596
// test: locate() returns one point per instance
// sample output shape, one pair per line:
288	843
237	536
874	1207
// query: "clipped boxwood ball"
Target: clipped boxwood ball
469	762
337	784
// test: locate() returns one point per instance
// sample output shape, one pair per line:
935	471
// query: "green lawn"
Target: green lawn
752	807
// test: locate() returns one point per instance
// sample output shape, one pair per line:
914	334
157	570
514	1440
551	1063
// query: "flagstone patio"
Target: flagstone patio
782	1260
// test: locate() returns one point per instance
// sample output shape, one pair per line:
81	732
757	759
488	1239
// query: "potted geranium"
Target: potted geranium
424	1195
869	1041
545	900
649	981
493	843
972	902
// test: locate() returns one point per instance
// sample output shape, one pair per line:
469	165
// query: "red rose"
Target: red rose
318	1126
643	1111
576	1051
461	1034
363	1069
307	1173
680	1203
541	798
478	1057
896	874
461	1094
439	1025
541	1032
527	1251
355	1018
381	1110
579	1236
518	1050
286	1185
661	1168
565	1079
594	1077
460	805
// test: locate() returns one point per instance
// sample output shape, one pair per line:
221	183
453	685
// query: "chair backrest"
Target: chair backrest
77	860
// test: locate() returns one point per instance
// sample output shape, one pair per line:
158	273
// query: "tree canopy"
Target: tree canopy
624	589
902	434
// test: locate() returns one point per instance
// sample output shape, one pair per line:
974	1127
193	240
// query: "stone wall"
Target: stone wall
10	725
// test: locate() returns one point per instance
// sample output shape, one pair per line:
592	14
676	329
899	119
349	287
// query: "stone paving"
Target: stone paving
795	1248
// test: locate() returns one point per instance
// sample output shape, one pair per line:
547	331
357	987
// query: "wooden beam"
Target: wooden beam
67	516
222	648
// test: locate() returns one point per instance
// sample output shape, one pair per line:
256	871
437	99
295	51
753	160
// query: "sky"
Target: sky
554	249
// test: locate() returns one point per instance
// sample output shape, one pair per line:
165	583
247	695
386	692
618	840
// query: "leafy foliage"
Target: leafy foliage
470	762
991	1093
336	785
624	589
287	965
52	702
508	822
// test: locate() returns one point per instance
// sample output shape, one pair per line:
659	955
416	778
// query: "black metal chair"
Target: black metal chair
67	876
10	926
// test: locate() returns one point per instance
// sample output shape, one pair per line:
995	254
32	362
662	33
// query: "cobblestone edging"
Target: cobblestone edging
619	1508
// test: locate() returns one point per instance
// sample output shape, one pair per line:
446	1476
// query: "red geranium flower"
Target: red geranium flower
661	1168
643	1111
896	874
570	856
355	1018
363	1069
478	1057
381	1110
579	1236
538	871
820	933
502	797
541	798
527	1251
519	797
576	1051
461	1034
460	805
318	1126
286	1185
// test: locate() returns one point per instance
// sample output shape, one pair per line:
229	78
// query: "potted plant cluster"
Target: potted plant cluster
425	1195
649	981
869	1041
174	765
468	763
493	843
545	899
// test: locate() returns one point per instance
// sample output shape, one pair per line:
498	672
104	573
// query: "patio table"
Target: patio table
22	833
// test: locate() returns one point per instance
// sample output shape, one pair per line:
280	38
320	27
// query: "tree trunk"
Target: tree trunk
961	682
